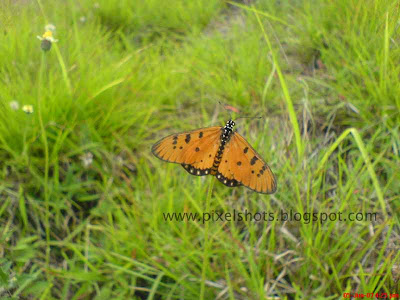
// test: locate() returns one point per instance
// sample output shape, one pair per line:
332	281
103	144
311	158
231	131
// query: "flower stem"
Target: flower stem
46	157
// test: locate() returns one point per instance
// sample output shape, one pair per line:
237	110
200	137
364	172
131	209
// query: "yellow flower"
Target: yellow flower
28	109
47	38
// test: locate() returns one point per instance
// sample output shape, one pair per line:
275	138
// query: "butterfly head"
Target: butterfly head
229	125
227	131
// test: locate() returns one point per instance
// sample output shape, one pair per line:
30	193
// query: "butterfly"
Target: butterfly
221	152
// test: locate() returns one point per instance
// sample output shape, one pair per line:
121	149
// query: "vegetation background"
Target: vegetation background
82	198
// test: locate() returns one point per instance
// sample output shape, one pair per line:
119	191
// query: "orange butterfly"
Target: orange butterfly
221	152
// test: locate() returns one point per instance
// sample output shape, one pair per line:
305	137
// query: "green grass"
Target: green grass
323	74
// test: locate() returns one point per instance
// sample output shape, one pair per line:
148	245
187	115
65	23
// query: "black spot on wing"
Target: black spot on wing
245	150
200	134
187	139
253	160
239	163
197	149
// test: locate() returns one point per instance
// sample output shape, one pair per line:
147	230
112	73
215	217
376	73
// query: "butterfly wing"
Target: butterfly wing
194	150
241	164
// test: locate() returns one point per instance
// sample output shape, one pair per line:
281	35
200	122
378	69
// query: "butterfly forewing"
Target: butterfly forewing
195	150
242	163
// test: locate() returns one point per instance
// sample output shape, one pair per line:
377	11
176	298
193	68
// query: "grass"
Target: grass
82	199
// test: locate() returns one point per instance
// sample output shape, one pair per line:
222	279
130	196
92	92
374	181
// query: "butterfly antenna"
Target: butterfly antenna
250	117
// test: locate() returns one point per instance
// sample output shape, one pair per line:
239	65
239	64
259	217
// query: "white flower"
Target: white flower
14	105
28	109
87	159
82	19
50	27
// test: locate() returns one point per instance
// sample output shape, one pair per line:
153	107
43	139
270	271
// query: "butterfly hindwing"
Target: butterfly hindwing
194	150
243	164
228	180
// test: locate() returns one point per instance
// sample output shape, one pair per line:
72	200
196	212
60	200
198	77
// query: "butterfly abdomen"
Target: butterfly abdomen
226	133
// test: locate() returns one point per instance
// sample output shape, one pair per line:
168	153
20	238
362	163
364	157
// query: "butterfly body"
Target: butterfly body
227	131
221	152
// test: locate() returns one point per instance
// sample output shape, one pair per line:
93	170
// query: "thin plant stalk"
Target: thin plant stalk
206	241
46	158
